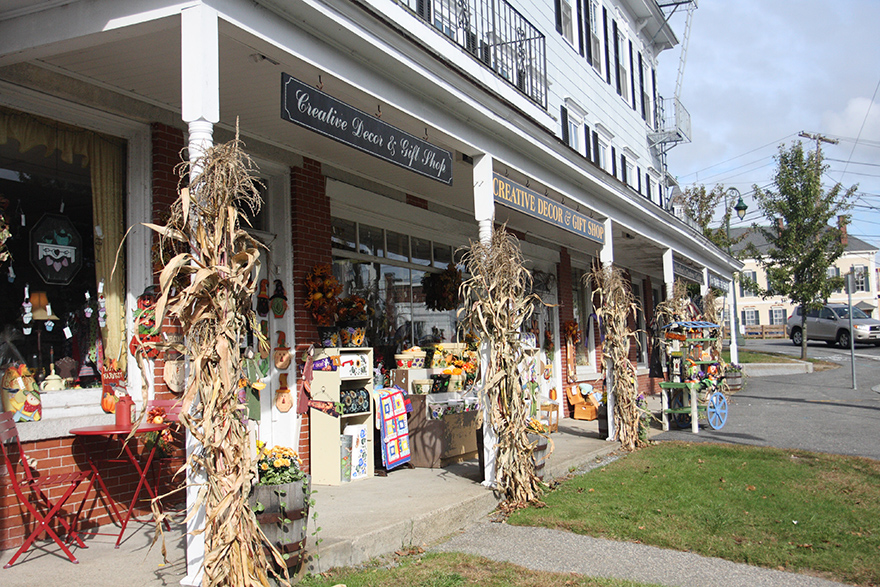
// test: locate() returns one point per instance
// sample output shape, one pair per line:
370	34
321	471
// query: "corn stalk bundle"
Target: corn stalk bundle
213	307
710	314
495	304
677	308
616	305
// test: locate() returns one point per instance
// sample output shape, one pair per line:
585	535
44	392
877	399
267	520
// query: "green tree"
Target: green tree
802	245
701	204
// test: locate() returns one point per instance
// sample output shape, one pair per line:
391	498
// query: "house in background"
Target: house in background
858	257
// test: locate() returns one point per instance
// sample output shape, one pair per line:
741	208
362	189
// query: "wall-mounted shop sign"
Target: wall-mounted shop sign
687	272
518	197
718	283
307	106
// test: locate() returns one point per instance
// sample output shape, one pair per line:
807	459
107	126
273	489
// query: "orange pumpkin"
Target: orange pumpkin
108	403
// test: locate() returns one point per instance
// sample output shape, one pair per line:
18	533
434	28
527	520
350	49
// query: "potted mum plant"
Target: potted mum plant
353	313
281	499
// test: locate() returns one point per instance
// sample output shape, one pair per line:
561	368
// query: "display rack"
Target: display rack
326	430
685	394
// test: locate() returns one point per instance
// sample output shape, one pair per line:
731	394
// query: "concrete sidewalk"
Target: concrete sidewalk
358	521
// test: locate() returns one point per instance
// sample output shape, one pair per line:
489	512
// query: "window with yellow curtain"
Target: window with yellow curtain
62	196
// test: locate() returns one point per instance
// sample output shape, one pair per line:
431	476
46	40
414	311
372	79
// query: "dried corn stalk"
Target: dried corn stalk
214	309
615	306
495	304
677	308
710	314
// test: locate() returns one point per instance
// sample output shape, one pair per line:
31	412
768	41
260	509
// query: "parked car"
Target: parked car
831	324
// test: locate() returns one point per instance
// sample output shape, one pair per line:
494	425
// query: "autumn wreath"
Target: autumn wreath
321	291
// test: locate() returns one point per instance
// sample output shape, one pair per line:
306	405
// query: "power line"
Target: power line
741	155
861	128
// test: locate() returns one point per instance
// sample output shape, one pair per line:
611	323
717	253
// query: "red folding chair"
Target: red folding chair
35	486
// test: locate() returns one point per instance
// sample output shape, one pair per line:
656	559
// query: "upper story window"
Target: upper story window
832	272
860	273
595	37
573	125
622	60
565	21
749	278
645	85
602	155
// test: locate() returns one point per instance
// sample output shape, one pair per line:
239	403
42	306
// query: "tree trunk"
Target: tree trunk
804	333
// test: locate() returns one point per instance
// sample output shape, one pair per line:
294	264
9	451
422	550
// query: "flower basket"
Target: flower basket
353	333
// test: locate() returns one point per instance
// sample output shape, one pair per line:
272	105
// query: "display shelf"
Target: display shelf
325	430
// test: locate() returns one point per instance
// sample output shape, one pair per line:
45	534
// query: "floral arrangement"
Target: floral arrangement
441	289
162	440
278	465
571	331
353	307
321	291
548	345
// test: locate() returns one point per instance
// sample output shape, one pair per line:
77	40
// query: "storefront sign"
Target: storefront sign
687	272
309	107
718	283
521	198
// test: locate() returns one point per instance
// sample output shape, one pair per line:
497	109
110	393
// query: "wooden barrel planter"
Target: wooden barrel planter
539	455
734	380
282	512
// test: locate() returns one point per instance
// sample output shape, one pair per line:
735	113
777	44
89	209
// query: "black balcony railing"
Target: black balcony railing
495	34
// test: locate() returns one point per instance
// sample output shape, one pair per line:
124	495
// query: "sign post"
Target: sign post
850	286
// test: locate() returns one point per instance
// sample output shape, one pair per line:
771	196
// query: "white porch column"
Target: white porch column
484	196
704	287
668	274
734	324
606	257
484	213
200	96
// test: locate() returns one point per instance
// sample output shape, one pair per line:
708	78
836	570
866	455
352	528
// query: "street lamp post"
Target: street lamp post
740	208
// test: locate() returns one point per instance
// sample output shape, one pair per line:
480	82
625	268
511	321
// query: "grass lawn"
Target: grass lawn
451	570
756	357
782	509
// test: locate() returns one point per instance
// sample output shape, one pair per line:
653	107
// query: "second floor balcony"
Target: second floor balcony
496	34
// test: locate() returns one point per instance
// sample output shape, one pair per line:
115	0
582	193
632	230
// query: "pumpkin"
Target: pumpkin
108	403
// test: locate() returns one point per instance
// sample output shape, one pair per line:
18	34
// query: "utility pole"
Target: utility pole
819	138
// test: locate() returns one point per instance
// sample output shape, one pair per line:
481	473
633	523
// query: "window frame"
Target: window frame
568	34
595	39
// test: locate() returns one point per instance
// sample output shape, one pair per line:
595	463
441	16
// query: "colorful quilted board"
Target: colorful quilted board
395	430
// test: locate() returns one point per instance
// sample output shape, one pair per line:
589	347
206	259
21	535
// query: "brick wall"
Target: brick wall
66	455
167	143
310	227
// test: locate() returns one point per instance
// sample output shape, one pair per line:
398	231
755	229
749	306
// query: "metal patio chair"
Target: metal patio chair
32	488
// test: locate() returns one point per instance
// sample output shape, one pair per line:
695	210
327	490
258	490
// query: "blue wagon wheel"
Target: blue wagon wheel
717	410
677	403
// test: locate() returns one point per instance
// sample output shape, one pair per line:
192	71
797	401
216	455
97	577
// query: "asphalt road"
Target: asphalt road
817	411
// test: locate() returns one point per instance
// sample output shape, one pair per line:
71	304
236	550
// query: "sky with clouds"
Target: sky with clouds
758	72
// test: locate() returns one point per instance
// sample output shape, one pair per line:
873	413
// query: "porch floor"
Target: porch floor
359	521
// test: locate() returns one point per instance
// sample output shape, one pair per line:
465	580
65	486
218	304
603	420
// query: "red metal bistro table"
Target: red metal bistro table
111	431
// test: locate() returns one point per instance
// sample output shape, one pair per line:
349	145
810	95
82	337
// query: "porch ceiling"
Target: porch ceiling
146	65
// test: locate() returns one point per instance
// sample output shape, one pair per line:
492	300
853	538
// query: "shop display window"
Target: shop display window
53	198
61	303
391	283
